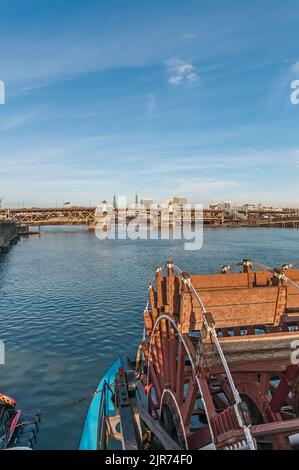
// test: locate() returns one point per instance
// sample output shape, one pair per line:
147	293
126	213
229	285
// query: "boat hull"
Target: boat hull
89	438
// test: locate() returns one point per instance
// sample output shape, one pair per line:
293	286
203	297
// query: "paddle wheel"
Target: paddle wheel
221	355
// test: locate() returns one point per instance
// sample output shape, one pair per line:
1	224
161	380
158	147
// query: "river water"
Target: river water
70	304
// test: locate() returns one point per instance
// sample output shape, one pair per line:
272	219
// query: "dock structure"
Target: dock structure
263	218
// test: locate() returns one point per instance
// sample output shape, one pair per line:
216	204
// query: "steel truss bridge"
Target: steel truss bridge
51	216
86	215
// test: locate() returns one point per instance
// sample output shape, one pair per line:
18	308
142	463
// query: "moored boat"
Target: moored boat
17	428
101	404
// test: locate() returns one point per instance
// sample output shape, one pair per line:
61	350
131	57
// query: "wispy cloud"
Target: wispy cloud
15	121
295	68
204	190
189	36
2	92
181	71
151	105
202	185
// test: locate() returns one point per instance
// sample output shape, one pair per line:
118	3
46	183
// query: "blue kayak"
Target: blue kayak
89	438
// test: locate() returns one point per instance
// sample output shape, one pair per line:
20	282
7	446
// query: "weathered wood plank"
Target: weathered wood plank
266	348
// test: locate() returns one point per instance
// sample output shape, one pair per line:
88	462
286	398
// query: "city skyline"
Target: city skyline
140	200
170	98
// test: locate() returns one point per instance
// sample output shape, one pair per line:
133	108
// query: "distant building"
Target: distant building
249	207
228	206
147	203
214	207
222	206
175	201
179	201
167	202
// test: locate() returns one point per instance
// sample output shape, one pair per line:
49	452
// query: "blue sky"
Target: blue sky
160	97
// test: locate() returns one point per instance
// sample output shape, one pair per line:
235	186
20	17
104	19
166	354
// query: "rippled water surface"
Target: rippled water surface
70	304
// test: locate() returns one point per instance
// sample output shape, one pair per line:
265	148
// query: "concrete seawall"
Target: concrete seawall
8	234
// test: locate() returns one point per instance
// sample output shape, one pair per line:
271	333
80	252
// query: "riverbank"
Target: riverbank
8	235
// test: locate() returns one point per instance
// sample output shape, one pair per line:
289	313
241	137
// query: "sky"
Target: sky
162	98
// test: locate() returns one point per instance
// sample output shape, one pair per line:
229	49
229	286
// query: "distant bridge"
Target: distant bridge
86	215
51	216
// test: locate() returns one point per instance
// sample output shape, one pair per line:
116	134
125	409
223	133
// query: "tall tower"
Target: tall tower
114	202
136	200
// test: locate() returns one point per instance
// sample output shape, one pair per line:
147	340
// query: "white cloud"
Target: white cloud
181	71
